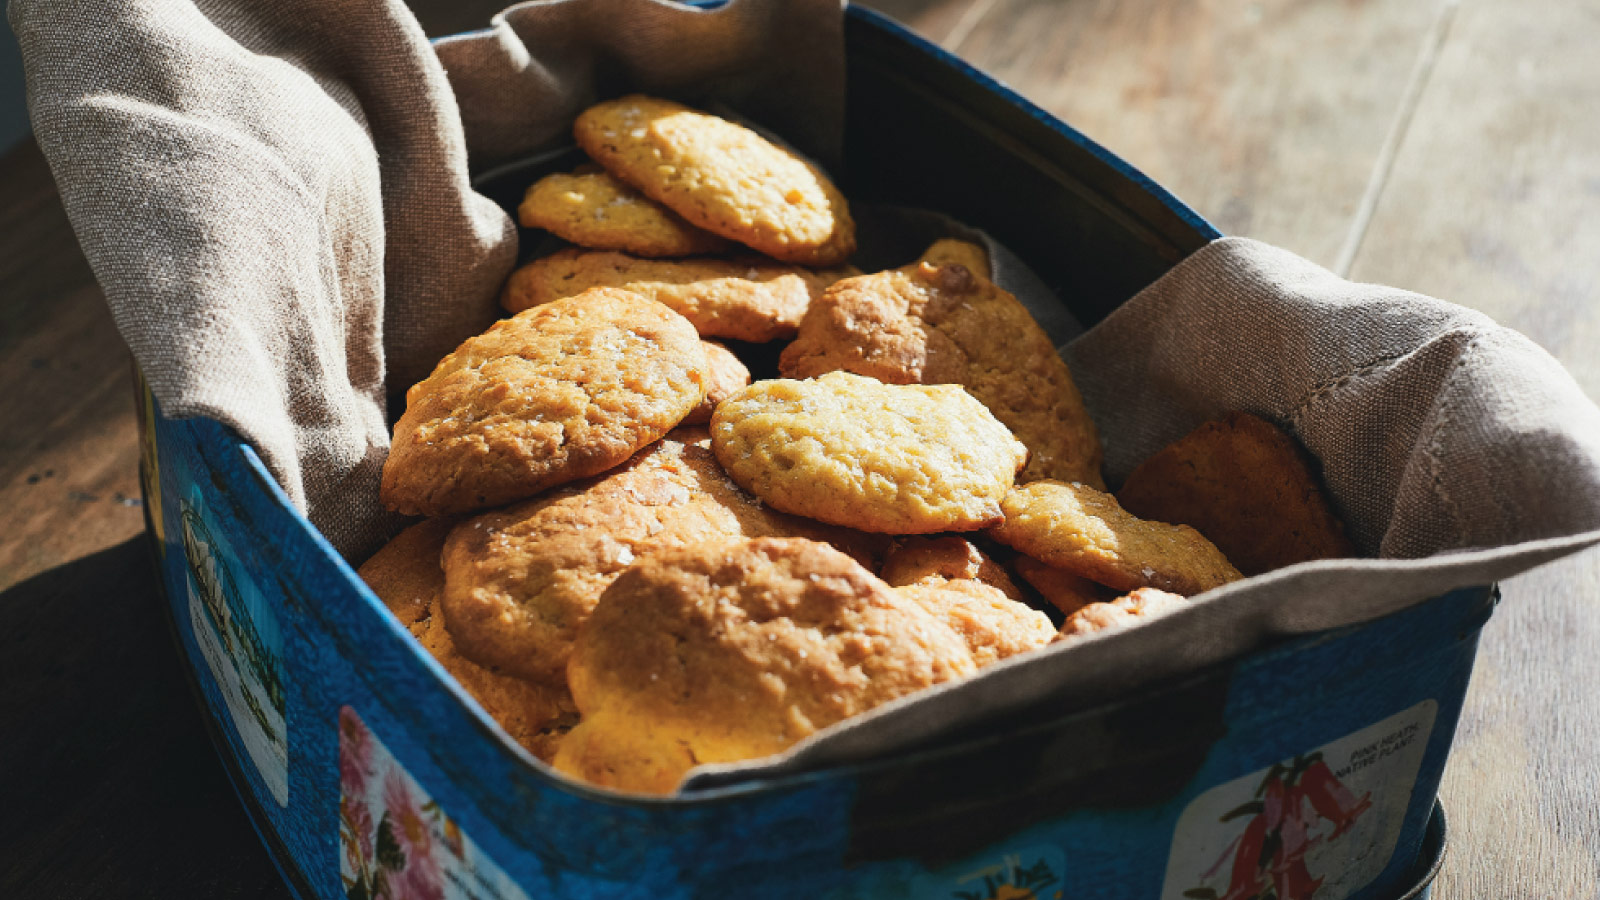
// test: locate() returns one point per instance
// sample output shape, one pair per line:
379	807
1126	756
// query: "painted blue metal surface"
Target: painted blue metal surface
1308	768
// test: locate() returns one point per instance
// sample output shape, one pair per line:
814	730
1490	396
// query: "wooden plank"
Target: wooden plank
1491	203
68	445
1266	117
936	20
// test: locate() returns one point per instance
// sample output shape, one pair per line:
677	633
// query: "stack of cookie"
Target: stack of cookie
631	593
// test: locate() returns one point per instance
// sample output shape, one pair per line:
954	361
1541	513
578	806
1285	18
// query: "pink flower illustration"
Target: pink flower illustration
355	753
358	826
420	878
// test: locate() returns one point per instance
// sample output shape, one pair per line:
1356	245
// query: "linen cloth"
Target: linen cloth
275	196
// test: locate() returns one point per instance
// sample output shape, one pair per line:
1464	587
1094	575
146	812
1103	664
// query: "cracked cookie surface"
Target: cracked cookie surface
1084	532
594	209
722	177
522	581
733	650
556	393
741	298
897	459
942	324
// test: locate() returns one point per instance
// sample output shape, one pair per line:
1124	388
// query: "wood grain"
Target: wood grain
68	446
1492	203
1266	117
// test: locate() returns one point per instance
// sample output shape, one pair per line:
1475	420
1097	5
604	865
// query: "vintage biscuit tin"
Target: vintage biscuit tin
1306	769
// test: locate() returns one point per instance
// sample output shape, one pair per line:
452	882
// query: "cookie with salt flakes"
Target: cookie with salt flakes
853	451
1083	531
595	210
942	324
556	393
737	649
742	298
520	582
722	177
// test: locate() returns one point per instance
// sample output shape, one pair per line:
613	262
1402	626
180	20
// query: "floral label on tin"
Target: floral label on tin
239	638
395	842
1320	826
1030	873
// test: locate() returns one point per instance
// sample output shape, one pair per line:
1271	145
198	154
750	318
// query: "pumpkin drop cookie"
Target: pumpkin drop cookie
556	393
722	177
725	376
1245	485
897	459
1123	612
407	576
936	560
992	625
522	581
1084	532
931	324
598	211
734	650
744	299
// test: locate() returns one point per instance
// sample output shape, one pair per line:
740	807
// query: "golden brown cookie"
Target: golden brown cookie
1141	605
725	376
927	324
1064	590
950	251
598	211
536	715
1245	485
722	177
1083	531
992	625
949	558
736	649
897	459
742	298
522	580
556	393
405	573
407	576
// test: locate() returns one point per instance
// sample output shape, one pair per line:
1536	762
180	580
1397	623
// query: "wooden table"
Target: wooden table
1447	147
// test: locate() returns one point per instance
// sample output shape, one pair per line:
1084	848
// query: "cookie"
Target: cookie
992	625
736	649
722	177
950	251
596	210
536	715
1084	532
743	299
725	376
897	459
521	581
1245	485
557	393
405	573
936	560
1064	590
407	576
928	324
1123	612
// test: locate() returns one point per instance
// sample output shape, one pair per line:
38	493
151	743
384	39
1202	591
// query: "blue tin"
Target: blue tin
1309	768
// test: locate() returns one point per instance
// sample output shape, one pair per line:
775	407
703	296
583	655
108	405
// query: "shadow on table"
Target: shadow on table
110	786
